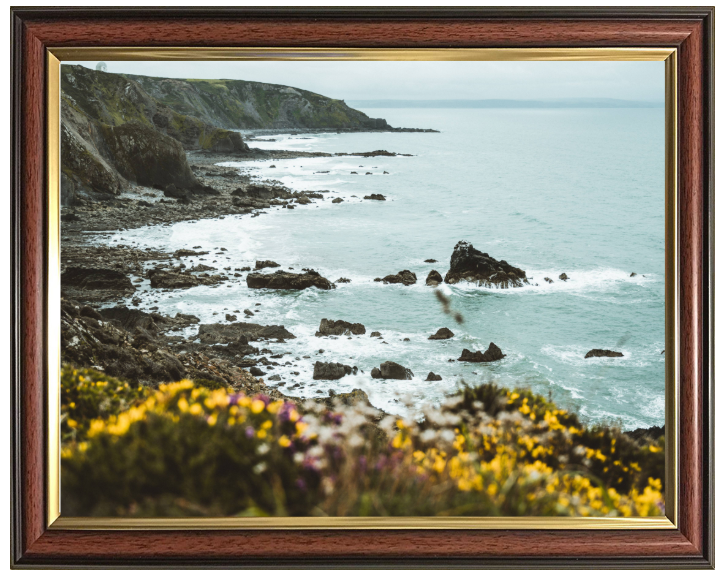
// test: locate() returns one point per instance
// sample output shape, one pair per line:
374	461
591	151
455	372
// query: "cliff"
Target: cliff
236	104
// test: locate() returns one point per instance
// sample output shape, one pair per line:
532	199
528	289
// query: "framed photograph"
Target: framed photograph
350	287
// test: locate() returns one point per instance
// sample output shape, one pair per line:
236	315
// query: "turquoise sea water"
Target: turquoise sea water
578	191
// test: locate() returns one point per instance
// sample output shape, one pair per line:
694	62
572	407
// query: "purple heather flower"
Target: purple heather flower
300	483
249	432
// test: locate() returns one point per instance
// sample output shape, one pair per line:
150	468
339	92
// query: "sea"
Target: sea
552	191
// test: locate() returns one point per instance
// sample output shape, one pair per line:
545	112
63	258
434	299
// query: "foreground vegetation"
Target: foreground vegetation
186	450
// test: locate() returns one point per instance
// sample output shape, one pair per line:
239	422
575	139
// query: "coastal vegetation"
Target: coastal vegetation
182	449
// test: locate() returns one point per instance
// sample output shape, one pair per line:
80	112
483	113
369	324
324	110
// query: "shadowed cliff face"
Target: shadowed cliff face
113	133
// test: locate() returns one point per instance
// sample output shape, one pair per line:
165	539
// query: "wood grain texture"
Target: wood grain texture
688	30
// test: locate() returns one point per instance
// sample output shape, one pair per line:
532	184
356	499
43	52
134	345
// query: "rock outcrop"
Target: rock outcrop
332	370
338	328
442	334
471	265
374	197
403	277
433	278
228	333
599	353
432	377
95	284
260	264
392	371
492	354
281	280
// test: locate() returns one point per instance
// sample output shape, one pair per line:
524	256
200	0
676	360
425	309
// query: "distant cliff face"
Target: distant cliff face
240	104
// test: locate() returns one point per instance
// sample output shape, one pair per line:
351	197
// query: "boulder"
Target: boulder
96	279
338	328
403	277
564	277
431	261
227	333
172	280
303	200
432	377
492	354
337	200
392	371
599	353
331	370
281	280
375	197
353	398
343	281
548	280
260	264
471	265
375	335
442	334
230	317
434	278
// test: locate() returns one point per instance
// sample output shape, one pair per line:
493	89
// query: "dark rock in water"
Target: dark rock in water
375	197
172	280
96	279
599	353
633	274
434	278
392	371
288	281
548	280
432	377
260	264
377	280
275	378
260	192
248	312
646	435
375	335
338	328
181	253
467	263
343	281
255	371
403	277
492	354
442	334
303	200
337	200
431	261
564	277
226	333
230	317
330	370
663	352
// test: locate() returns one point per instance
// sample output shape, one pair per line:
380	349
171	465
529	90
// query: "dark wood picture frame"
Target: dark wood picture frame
689	30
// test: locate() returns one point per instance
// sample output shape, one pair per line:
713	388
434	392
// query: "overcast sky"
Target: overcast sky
429	80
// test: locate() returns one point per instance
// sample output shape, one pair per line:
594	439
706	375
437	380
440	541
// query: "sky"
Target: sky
364	80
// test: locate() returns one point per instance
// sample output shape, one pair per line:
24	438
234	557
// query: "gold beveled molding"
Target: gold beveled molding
54	58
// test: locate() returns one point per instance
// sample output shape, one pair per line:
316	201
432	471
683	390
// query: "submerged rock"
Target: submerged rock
338	328
392	371
281	280
434	278
469	264
492	354
332	370
343	281
442	334
548	280
599	353
403	277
